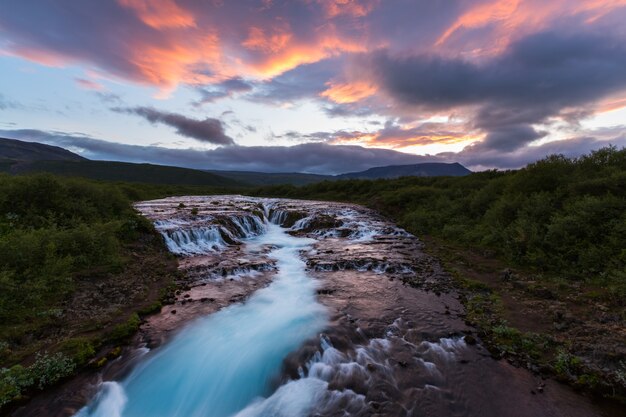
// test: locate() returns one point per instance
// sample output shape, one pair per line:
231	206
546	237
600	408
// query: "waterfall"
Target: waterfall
193	241
222	363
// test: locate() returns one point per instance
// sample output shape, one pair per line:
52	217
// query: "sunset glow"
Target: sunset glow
508	76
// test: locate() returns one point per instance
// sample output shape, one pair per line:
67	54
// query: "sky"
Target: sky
320	86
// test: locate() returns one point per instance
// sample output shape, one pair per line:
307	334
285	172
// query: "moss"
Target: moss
115	352
100	362
292	217
125	330
80	349
150	309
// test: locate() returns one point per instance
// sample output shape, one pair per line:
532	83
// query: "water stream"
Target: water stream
220	364
291	308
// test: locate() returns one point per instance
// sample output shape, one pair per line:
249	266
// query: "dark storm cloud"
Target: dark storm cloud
207	130
536	78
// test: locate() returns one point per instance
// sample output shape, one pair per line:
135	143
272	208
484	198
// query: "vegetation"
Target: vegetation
59	237
560	220
562	217
559	223
120	171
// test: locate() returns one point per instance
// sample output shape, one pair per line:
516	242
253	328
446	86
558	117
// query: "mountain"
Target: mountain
272	178
429	169
125	171
18	157
32	151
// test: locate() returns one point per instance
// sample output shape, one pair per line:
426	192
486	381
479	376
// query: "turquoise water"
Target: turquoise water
225	362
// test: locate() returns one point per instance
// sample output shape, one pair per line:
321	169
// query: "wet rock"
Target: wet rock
470	340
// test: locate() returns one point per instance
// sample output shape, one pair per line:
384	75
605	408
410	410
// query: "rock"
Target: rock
506	275
470	340
173	312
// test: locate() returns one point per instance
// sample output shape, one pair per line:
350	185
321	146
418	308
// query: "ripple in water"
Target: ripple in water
224	363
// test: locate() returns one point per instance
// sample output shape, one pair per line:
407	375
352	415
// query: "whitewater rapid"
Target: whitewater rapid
289	308
227	362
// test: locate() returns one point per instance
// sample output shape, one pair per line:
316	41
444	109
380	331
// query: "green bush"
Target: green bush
127	329
80	349
45	371
561	217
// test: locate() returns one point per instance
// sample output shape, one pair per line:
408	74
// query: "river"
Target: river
298	308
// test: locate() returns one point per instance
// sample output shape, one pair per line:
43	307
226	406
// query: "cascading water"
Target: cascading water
362	343
222	363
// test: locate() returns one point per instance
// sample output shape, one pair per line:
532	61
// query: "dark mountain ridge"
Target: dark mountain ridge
33	151
428	169
19	157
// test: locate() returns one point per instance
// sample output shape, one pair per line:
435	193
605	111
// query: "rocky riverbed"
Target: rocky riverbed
387	331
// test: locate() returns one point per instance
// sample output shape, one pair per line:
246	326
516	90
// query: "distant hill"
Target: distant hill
122	171
429	169
272	178
393	171
32	151
19	157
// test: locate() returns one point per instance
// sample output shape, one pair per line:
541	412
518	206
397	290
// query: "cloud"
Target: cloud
168	43
161	14
89	84
300	83
317	158
5	103
476	158
226	88
538	77
207	130
512	70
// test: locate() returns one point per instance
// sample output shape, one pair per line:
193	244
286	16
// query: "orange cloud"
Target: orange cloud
169	65
482	15
270	41
611	104
598	8
397	137
516	18
160	14
354	8
349	92
299	53
89	84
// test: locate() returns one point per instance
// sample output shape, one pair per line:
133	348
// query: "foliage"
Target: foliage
46	370
559	217
51	231
125	330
